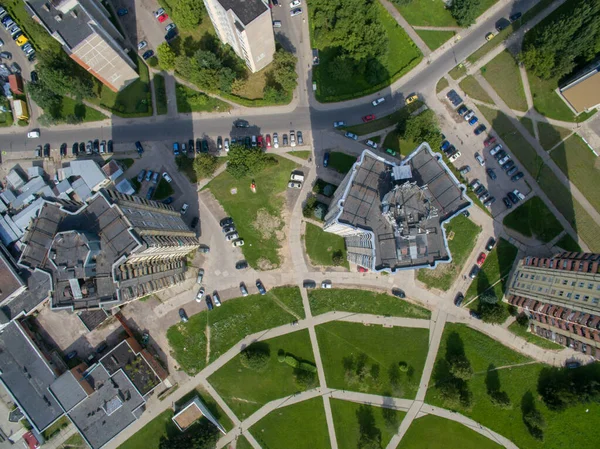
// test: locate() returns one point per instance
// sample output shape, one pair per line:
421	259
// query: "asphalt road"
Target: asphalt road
316	118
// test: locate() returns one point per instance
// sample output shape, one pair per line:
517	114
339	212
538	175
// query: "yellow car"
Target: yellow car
21	40
412	98
489	36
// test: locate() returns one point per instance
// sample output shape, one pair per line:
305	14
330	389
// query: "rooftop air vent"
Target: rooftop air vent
58	18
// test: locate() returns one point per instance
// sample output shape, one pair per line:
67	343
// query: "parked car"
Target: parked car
200	276
216	299
491	173
275	140
411	99
184	208
204	249
479	129
475	314
295	12
474	272
75	149
462	110
227	221
458	299
122	11
308	283
464	170
445	145
103	147
350	135
232	236
479	159
183	316
142	45
489	140
454	157
148	54
515	16
166	177
227	229
238	242
489	36
490	243
339	124
398	293
390	152
300	138
504	160
295	185
507	203
495	150
96	146
261	288
176	148
378	101
473	121
139	147
500	154
517	176
326	284
239	123
149	175
469	115
169	200
209	303
243	289
268	140
109	146
512	170
481	259
510	164
88	147
285	140
241	265
170	27
200	294
259	141
371	144
150	193
63	150
194	223
368	118
325	159
514	198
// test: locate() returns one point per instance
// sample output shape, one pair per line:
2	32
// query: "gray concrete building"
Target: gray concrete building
247	27
392	215
84	30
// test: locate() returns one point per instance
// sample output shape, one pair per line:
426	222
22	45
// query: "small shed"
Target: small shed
191	412
16	83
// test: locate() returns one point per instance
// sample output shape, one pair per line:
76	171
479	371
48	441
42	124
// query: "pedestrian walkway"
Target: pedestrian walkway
405	25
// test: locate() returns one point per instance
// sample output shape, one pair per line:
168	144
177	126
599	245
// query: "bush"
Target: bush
152	62
403	367
309	206
501	400
23	123
523	320
292	361
255	357
305	379
337	257
281	356
205	165
305	366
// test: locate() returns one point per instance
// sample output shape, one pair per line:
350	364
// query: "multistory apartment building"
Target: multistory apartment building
84	30
245	25
110	250
561	296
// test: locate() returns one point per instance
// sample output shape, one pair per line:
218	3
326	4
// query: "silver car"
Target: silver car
275	140
200	276
243	289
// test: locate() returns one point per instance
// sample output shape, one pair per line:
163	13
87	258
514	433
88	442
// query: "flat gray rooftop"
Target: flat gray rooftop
246	10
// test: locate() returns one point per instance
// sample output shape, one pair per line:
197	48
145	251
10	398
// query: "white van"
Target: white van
33	134
297	176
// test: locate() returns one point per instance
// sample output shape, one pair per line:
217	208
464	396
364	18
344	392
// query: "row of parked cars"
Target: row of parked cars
17	34
459	298
231	234
78	148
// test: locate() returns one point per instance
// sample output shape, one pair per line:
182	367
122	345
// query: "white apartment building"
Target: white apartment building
247	26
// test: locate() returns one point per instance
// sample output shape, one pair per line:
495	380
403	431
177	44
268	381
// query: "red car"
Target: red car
490	140
368	118
32	442
362	269
268	139
481	259
260	141
162	18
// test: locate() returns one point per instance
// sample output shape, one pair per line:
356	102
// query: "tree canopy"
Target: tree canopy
243	161
422	128
187	14
202	435
166	56
464	11
205	165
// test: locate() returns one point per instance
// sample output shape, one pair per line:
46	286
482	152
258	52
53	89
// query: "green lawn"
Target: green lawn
190	100
341	162
580	165
242	443
441	85
302	154
503	74
297	426
401	57
245	390
580	219
363	301
56	427
568	243
498	263
457	72
569	428
462	234
521	331
352	420
133	101
261	209
229	323
547	102
517	144
551	135
528	124
473	89
433	432
84	113
435	39
160	94
321	245
149	436
366	358
163	190
426	13
386	121
533	219
75	441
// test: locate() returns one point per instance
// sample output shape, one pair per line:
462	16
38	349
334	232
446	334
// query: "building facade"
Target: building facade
84	30
247	27
110	250
561	296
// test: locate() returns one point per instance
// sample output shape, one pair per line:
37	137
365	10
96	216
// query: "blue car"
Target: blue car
150	193
325	159
141	176
473	120
176	149
445	145
122	11
350	135
168	200
139	147
480	129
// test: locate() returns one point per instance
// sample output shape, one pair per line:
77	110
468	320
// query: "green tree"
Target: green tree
422	128
202	435
255	357
500	399
186	13
492	313
166	56
205	165
284	70
460	367
305	379
337	258
465	11
488	297
61	75
243	161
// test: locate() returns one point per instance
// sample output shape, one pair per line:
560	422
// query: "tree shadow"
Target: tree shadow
532	418
367	426
492	379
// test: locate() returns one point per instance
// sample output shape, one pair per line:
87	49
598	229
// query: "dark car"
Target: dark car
63	150
491	173
515	16
475	314
261	287
101	348
445	145
141	176
194	222
204	146
219	143
502	24
510	164
474	272
171	34
507	203
75	149
183	316
514	198
512	170
148	54
450	150
110	146
490	243
239	123
150	193
38	151
480	129
168	200
198	145
47	150
227	221
15	68
191	145
398	293
458	300
96	146
325	159
71	355
122	11
241	265
500	154
572	365
517	176
209	304
139	147
308	283
462	110
247	142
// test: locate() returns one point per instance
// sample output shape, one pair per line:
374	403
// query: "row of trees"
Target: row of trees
187	14
555	48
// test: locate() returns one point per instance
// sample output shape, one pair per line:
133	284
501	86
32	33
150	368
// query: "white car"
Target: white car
226	144
504	160
339	124
167	178
295	3
326	284
519	194
292	138
159	13
371	144
494	150
243	289
216	299
232	236
184	208
275	140
239	242
469	115
200	276
378	101
33	134
455	156
295	185
479	159
200	295
142	45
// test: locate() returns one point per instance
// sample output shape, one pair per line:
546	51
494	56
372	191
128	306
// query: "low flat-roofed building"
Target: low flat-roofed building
392	215
582	93
192	411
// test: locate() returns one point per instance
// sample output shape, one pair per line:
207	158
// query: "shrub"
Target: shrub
255	358
153	61
305	379
500	399
292	361
337	258
403	367
281	356
305	366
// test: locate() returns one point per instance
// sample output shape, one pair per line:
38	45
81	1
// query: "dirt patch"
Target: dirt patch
268	225
265	264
